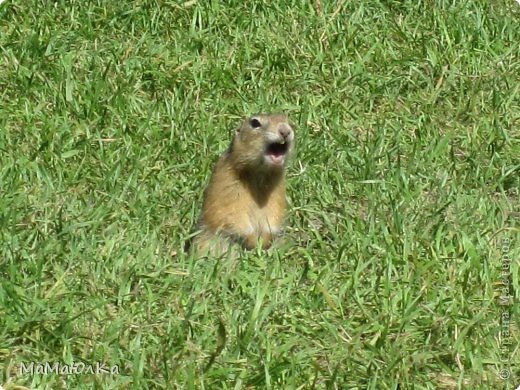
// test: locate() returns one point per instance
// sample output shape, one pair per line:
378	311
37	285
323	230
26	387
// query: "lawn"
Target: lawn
401	262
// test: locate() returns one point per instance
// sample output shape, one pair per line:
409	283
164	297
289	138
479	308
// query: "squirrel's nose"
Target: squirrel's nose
285	131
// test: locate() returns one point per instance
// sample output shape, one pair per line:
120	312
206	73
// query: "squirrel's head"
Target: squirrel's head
264	141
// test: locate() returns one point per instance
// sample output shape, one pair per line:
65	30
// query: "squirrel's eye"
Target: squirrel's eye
255	123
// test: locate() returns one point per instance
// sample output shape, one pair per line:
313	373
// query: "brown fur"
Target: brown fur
245	199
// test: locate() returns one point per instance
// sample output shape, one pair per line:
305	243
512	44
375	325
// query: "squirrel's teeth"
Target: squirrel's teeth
282	142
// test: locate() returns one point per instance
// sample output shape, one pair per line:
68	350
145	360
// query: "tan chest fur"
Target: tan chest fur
251	207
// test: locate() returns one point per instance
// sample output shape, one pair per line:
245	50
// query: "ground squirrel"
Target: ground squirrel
245	200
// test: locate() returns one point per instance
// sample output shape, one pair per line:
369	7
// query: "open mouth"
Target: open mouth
276	152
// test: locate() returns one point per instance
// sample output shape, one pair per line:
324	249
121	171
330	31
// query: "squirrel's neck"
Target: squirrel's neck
262	183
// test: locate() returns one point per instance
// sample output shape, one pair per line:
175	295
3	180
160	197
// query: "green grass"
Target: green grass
403	193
